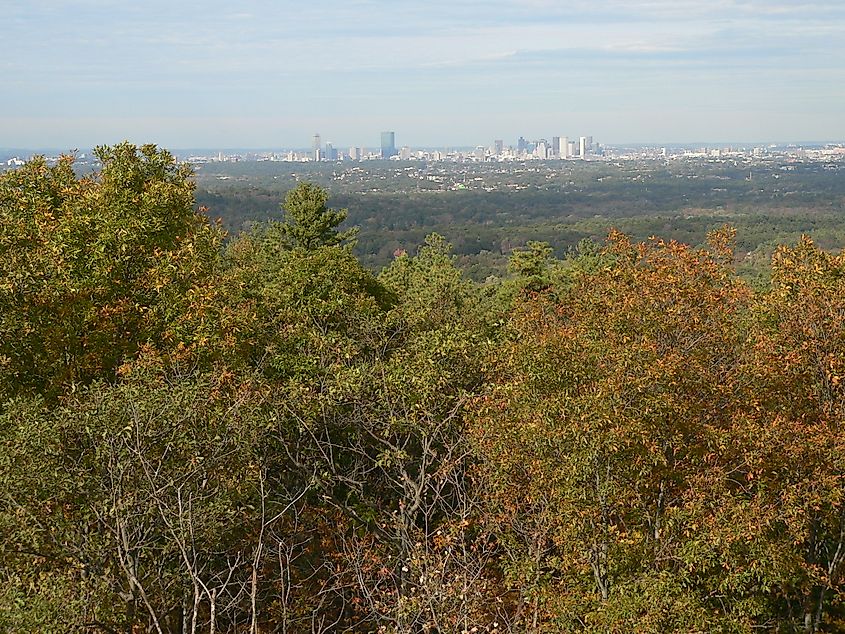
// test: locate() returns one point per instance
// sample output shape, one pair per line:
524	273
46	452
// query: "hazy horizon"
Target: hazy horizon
373	146
270	74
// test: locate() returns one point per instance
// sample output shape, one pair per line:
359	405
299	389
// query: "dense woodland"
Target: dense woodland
485	210
258	434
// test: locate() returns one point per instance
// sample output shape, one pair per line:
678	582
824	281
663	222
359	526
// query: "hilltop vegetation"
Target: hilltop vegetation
260	434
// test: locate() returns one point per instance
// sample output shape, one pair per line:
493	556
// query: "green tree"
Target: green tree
386	431
297	313
94	268
432	291
532	261
309	224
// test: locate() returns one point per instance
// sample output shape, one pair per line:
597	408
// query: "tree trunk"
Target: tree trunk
131	606
253	628
212	609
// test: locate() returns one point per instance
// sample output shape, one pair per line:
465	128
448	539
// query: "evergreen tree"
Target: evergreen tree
309	223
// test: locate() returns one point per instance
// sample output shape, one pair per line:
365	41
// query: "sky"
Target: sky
271	73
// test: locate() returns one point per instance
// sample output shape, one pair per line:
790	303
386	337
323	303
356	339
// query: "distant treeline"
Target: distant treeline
260	434
769	204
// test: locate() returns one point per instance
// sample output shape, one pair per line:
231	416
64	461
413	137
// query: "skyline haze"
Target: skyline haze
270	74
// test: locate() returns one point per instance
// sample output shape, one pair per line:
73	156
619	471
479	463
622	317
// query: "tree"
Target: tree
594	435
94	268
386	433
297	313
309	224
431	289
793	456
532	261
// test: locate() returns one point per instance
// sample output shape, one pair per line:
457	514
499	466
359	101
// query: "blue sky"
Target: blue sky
261	73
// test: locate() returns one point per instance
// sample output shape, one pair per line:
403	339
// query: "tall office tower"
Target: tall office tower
521	145
540	150
355	153
554	151
563	151
331	152
388	144
582	150
499	146
316	147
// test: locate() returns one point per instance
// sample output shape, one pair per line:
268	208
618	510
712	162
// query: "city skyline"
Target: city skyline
323	143
190	74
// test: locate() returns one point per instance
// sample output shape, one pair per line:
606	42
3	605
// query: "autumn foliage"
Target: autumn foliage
259	435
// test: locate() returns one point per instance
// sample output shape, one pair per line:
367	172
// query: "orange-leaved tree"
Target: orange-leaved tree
597	428
794	447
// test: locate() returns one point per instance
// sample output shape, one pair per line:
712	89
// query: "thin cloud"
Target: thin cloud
323	59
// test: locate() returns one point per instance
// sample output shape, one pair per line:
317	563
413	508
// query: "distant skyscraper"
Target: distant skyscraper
583	147
499	146
388	144
555	149
317	146
564	148
521	145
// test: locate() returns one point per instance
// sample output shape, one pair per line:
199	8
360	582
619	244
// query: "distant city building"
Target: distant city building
405	153
563	149
316	147
521	145
388	144
560	147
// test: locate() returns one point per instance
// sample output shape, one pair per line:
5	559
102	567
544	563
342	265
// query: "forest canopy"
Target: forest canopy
261	435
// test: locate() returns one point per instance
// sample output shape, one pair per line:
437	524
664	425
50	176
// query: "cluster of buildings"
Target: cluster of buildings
556	148
560	147
327	152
